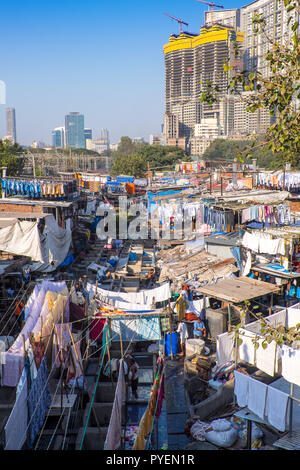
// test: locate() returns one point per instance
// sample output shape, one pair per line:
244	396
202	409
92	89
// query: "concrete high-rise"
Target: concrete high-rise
74	129
11	132
276	28
191	60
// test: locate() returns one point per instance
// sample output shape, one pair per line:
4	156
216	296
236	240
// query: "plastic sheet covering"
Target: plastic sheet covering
22	238
55	244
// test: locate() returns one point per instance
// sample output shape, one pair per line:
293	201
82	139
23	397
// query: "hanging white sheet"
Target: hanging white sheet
225	348
144	297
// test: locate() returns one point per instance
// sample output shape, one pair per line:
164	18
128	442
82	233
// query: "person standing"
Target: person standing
183	335
133	375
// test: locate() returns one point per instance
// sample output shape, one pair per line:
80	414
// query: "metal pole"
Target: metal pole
229	318
291	410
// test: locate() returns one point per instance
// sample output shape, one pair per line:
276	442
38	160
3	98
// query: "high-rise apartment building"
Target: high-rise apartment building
74	129
58	137
191	60
226	17
277	29
11	132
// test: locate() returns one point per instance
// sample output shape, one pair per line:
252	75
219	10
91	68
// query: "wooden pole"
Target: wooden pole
24	347
108	353
121	344
271	304
229	318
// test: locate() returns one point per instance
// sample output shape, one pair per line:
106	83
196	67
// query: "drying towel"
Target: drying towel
290	364
16	426
225	345
241	382
265	359
257	397
114	432
276	408
246	349
293	317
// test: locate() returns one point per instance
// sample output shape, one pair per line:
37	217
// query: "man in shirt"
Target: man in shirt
133	375
183	335
199	329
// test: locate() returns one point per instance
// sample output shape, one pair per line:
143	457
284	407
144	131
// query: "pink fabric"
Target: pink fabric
96	329
77	371
160	396
113	437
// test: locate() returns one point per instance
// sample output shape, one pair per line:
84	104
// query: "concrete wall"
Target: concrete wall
103	413
94	438
26	208
217	322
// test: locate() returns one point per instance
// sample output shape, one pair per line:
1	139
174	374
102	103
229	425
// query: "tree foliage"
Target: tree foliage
8	157
133	159
131	165
226	149
268	333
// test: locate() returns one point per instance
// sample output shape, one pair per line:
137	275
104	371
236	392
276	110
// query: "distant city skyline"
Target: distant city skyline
11	124
117	84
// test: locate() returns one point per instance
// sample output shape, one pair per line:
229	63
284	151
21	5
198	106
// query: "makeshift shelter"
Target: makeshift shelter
237	291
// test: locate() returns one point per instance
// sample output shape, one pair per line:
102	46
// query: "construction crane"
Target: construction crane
211	5
179	21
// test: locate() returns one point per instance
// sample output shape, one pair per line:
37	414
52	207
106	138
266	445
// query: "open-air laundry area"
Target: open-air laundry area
185	338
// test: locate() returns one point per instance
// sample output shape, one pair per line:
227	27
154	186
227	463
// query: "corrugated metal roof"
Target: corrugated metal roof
289	442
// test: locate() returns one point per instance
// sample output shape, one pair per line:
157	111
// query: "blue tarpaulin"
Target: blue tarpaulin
125	179
68	260
136	329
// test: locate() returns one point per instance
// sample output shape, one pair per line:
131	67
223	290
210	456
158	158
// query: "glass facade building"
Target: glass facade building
58	137
74	129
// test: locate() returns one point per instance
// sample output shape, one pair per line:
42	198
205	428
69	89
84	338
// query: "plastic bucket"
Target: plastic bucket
168	344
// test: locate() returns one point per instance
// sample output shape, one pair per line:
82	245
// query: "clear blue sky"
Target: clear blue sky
103	59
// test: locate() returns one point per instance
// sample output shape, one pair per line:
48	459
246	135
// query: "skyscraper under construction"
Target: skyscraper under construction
192	60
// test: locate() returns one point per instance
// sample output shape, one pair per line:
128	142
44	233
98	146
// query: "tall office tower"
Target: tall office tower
74	129
58	137
104	135
11	125
191	60
88	134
